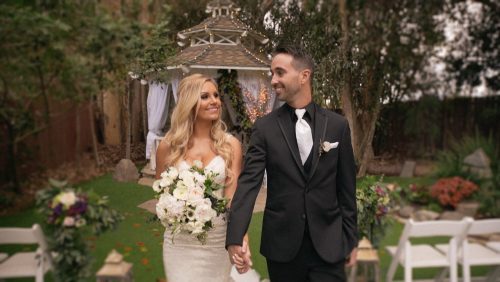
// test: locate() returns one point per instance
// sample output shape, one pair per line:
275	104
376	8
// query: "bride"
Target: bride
197	133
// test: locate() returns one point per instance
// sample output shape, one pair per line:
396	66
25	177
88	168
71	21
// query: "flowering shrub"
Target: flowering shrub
418	194
451	191
373	202
188	200
70	215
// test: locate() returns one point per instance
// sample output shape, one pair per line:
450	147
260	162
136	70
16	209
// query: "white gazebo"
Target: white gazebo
221	41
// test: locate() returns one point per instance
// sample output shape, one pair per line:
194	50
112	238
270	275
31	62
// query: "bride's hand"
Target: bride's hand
247	255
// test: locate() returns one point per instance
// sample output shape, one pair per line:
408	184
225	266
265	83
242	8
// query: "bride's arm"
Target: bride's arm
161	157
236	160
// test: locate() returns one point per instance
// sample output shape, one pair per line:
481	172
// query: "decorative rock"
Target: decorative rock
115	269
149	205
425	215
408	169
126	171
146	181
406	211
451	215
468	208
478	163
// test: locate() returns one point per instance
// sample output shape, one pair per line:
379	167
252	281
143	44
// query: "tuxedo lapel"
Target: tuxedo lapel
287	129
320	124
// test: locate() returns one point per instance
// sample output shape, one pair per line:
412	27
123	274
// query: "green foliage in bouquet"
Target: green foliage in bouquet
373	202
72	215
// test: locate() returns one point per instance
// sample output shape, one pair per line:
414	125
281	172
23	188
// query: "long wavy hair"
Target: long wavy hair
182	123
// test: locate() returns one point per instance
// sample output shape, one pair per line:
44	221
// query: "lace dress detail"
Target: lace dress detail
186	259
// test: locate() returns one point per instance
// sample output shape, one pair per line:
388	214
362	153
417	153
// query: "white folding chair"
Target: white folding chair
473	254
412	256
495	246
25	264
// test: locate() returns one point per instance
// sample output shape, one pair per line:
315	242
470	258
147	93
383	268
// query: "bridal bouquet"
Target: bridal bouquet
189	200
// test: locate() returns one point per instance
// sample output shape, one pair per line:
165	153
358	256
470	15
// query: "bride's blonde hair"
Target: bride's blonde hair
182	123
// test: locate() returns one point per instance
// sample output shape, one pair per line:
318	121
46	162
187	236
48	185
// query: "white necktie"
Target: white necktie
304	135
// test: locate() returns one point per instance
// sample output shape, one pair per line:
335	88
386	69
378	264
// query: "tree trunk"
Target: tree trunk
78	137
129	121
144	110
11	159
361	117
94	137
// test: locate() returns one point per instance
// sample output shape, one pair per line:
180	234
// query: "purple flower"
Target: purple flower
78	208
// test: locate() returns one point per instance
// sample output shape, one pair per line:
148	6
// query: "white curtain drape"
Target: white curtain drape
157	113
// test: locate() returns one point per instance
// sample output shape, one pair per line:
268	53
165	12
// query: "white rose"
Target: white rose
69	221
165	182
195	195
200	178
185	174
157	187
67	198
181	191
204	213
173	173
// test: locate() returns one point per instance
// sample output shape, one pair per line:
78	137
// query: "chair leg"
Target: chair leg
408	274
466	272
392	270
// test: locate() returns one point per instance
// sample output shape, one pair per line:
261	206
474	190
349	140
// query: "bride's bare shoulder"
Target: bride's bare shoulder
162	152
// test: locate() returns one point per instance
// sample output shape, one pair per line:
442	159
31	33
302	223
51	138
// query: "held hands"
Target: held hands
240	256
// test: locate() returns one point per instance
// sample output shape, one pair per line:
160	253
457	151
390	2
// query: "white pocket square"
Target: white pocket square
327	146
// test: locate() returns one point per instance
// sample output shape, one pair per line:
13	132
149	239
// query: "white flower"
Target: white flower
80	222
181	192
200	178
195	195
173	173
156	186
187	177
69	221
66	198
204	212
198	164
195	227
219	194
165	182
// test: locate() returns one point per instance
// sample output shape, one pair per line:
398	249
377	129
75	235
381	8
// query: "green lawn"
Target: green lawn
137	239
140	241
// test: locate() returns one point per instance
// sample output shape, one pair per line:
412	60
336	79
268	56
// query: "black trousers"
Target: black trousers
307	266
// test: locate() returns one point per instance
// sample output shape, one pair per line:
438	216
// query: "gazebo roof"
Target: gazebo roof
221	41
222	24
215	56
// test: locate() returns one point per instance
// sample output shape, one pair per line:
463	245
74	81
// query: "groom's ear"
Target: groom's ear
305	76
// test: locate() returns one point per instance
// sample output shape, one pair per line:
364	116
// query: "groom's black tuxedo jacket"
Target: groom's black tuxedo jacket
322	200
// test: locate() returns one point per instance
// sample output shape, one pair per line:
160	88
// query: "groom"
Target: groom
309	230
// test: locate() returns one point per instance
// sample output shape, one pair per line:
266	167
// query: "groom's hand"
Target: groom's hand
237	256
352	258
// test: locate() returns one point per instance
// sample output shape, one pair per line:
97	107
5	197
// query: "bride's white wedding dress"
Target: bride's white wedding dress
186	259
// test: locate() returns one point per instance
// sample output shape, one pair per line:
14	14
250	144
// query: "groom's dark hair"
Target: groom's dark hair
301	58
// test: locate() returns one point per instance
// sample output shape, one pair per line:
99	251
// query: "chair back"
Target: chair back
18	235
485	226
450	228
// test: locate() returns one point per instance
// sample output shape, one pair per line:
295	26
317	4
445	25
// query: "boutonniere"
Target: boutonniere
325	146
